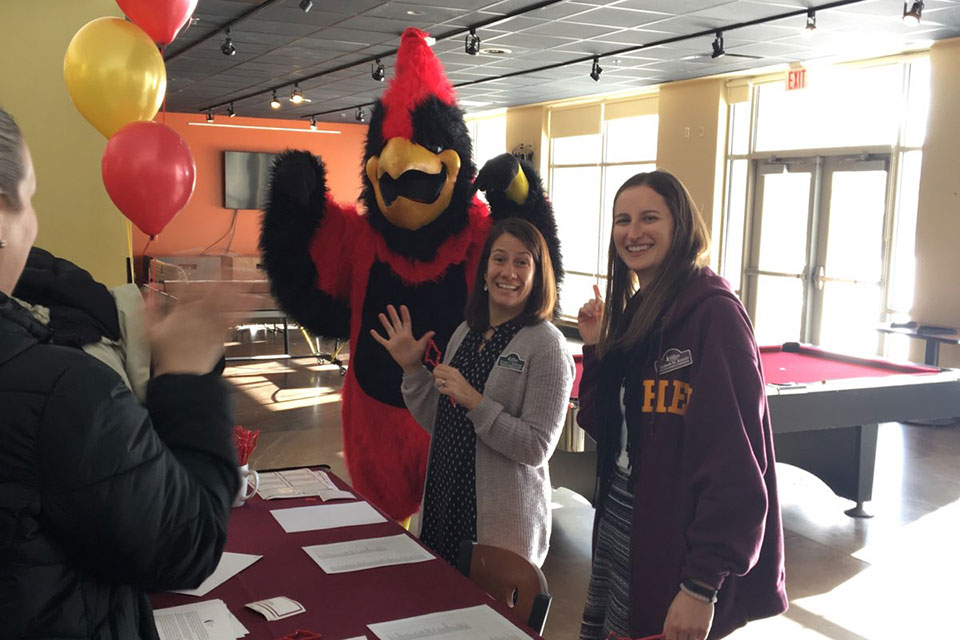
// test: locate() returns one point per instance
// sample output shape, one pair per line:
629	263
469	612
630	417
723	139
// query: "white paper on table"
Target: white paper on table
208	620
473	623
357	555
230	565
300	483
238	629
326	516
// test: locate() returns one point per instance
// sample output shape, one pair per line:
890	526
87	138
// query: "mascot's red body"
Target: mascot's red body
417	243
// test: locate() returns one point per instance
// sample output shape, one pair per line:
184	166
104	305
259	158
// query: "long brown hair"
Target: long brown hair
687	254
543	294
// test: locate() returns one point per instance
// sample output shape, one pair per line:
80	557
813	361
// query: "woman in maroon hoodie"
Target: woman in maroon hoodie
687	538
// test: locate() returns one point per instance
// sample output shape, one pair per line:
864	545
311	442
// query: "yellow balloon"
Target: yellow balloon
114	74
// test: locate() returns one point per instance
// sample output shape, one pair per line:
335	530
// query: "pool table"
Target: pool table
824	408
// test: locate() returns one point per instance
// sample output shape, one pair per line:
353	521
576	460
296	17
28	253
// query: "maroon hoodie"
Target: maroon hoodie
705	490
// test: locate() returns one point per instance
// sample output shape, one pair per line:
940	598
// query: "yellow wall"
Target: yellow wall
691	141
937	294
77	219
526	125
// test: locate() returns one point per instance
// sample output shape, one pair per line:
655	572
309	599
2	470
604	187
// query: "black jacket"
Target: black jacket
102	500
82	310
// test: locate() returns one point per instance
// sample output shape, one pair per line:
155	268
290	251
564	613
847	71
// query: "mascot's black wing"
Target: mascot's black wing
513	194
296	205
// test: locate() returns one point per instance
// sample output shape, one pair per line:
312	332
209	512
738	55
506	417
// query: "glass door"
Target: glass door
849	272
776	275
815	265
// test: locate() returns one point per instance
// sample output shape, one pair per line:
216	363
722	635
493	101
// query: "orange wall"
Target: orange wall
204	219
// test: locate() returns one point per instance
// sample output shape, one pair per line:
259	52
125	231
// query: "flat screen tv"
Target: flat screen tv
246	176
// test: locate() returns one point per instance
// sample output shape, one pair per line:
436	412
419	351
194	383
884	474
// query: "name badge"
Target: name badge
674	359
512	362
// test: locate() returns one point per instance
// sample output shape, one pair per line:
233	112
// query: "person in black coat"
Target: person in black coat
101	499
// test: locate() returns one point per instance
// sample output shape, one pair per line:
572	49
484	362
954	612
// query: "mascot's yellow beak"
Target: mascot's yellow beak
413	185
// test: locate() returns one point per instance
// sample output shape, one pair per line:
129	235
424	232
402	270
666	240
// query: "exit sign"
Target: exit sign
796	79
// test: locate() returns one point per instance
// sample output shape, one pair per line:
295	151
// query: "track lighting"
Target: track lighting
471	43
360	115
313	122
378	71
209	115
296	94
596	70
718	51
230	110
306	5
912	16
275	103
227	47
811	21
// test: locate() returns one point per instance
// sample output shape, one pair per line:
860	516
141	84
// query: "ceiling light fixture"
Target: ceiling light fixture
912	16
306	5
313	122
360	115
596	70
227	47
377	71
471	43
296	94
718	51
230	111
811	21
209	115
275	103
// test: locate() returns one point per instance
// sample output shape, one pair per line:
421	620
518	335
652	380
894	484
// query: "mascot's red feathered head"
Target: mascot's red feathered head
417	161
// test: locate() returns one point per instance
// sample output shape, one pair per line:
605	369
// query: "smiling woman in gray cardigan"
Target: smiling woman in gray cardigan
495	407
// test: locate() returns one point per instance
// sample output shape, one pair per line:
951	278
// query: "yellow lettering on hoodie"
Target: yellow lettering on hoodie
656	397
648	396
661	395
681	397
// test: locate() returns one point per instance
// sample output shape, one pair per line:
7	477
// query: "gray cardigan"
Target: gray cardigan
518	424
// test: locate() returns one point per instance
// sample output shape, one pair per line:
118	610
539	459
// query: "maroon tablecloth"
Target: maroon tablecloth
339	605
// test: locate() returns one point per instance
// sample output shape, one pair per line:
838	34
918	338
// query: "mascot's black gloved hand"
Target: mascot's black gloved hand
503	174
296	176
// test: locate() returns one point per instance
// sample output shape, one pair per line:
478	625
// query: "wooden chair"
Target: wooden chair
508	578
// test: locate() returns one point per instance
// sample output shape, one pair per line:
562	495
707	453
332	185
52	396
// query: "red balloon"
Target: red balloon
161	19
149	174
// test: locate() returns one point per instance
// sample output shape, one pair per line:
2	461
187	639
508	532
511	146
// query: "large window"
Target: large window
820	203
593	150
488	134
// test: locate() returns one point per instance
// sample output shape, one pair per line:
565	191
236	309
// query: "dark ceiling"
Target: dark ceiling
330	49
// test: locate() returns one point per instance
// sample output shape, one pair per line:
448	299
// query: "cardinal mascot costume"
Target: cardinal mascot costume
414	241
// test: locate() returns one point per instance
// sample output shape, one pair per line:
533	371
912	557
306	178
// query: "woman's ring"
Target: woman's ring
442	383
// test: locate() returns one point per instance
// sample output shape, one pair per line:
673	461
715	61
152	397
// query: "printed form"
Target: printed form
473	623
357	555
326	516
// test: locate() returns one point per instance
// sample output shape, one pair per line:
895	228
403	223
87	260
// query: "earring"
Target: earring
484	284
3	243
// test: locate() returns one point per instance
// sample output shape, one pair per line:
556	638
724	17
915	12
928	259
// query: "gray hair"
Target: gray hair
11	160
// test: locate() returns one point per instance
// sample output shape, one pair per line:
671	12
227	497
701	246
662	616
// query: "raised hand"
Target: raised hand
406	350
189	339
590	318
450	382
